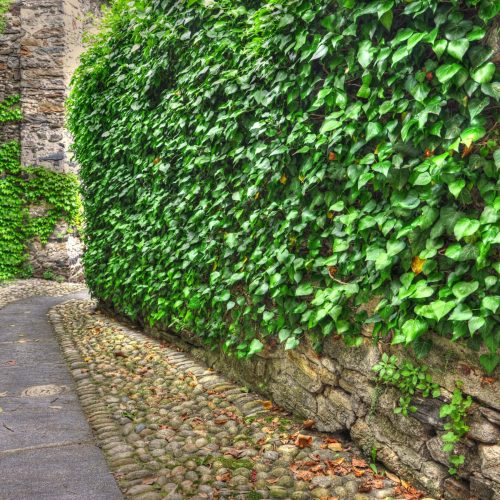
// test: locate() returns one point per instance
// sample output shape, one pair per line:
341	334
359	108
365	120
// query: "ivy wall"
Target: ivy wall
254	172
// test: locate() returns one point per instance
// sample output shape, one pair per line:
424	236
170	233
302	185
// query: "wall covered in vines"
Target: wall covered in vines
32	201
255	172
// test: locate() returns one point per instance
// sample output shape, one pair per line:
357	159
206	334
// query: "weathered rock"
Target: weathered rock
491	415
456	490
482	430
484	488
334	411
490	461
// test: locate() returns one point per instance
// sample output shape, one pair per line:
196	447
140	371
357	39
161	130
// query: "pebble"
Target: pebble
165	426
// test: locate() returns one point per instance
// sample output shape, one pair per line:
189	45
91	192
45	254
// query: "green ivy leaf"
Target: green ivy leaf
491	302
457	48
291	343
465	227
365	53
475	323
484	74
464	289
413	328
461	313
303	290
472	134
435	310
446	72
330	124
255	346
321	52
489	362
456	187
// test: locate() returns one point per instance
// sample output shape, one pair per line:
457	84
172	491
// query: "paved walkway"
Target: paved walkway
47	450
169	426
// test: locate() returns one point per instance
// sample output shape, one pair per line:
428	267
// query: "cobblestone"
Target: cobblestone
170	427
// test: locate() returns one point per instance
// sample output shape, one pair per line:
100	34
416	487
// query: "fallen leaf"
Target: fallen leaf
302	441
267	405
392	477
365	487
308	424
359	462
224	477
335	447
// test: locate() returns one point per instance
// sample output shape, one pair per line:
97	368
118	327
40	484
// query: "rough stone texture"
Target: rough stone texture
39	51
338	391
171	427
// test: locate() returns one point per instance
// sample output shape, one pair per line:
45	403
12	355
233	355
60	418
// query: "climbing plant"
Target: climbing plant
259	170
4	7
25	187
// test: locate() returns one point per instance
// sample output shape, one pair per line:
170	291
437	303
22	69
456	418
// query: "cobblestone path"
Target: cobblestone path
47	450
172	428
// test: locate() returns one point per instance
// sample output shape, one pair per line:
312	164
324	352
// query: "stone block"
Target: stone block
489	456
335	412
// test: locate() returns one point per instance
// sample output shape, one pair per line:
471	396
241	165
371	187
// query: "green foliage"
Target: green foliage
4	7
22	187
411	380
456	413
408	379
261	169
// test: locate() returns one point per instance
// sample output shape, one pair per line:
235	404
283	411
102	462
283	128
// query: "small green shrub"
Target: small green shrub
412	380
257	170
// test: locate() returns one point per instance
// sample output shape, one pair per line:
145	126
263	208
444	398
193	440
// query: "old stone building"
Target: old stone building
39	50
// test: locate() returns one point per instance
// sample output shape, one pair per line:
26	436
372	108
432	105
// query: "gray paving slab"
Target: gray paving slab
47	450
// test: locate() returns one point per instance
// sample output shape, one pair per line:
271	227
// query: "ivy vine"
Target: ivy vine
262	169
24	187
4	8
410	380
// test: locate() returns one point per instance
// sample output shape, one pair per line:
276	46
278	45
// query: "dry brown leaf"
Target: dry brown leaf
392	477
365	487
335	447
359	462
337	461
308	424
303	441
267	405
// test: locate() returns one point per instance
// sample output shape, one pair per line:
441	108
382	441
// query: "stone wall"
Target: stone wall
337	389
38	53
10	72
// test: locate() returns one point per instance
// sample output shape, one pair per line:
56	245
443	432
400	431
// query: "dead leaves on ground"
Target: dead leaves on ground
308	424
303	441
